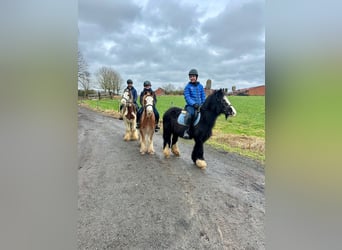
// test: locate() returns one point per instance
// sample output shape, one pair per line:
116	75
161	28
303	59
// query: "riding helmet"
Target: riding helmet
147	83
129	81
193	72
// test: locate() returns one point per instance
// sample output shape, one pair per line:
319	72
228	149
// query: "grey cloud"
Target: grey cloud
239	29
170	14
107	15
161	41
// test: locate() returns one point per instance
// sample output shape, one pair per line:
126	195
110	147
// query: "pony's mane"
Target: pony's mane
210	100
147	93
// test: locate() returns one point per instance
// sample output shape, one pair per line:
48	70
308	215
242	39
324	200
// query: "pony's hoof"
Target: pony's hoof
175	150
166	152
201	164
135	137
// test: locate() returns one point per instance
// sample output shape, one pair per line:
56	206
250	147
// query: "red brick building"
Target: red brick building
208	91
258	90
159	91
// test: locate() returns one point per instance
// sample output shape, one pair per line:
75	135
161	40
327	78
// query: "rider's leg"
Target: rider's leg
156	114
187	121
138	117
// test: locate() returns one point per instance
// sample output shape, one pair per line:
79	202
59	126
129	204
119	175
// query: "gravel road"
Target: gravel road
132	201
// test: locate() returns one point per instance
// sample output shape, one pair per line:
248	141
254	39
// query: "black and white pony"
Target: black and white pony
215	104
129	113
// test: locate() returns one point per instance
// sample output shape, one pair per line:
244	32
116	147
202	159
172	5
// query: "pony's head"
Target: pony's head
126	96
219	103
148	104
229	110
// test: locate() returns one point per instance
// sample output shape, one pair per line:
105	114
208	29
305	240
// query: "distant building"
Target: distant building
159	91
253	91
208	91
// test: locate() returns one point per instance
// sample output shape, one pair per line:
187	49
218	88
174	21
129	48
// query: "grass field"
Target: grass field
243	134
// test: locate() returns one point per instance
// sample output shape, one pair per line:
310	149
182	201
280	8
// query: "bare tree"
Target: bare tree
82	66
83	74
84	81
109	79
169	88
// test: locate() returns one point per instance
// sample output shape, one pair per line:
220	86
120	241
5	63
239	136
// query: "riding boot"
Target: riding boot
138	117
186	134
187	121
156	129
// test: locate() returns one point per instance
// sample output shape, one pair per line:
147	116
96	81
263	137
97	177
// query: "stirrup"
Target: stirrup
186	135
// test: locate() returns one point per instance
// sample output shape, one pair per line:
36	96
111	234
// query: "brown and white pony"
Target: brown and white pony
147	125
129	114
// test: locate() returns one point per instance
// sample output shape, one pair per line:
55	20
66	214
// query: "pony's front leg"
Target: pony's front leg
150	144
197	155
166	143
166	151
127	132
134	132
142	144
174	147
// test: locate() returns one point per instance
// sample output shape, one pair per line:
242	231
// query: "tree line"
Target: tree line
110	80
107	78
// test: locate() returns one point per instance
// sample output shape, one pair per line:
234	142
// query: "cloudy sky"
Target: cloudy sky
161	40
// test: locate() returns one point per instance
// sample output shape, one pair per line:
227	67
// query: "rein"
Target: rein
148	104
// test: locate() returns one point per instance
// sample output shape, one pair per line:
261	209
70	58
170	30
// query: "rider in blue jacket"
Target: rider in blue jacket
194	95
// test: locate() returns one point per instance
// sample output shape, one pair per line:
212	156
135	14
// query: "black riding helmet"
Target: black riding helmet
147	83
193	72
129	81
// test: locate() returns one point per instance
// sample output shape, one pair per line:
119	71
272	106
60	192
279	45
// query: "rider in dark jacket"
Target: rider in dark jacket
134	94
194	95
147	88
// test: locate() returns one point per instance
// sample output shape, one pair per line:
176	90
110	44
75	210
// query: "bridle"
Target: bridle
129	100
148	104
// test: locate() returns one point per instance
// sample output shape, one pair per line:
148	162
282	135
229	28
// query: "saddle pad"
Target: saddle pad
181	117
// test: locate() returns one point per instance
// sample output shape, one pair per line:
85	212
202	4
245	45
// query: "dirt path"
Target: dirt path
133	201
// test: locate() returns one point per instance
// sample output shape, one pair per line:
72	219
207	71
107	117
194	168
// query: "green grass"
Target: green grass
249	121
103	104
250	118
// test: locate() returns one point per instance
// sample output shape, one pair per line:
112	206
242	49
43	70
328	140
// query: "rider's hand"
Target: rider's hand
196	106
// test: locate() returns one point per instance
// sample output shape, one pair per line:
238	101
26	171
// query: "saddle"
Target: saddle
181	116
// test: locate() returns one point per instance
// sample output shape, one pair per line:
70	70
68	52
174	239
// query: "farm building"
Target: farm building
159	91
258	90
208	91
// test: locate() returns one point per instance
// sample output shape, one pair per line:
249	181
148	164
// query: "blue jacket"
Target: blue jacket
194	93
